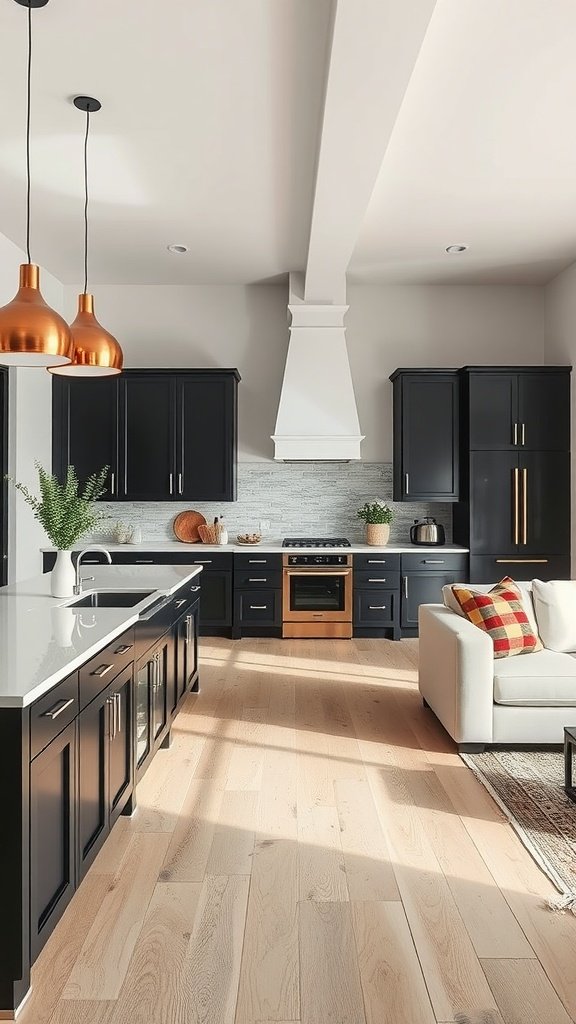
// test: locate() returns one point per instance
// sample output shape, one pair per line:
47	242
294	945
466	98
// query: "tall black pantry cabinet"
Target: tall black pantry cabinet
515	470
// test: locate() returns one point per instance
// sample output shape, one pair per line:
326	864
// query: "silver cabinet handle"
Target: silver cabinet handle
433	561
111	716
193	590
258	579
406	483
377	580
102	670
258	607
180	483
58	708
202	561
123	649
144	561
178	604
376	607
118	697
171	481
405	586
112	483
376	561
515	434
188	624
523	434
257	561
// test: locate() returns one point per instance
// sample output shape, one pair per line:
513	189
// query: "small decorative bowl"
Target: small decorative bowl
249	538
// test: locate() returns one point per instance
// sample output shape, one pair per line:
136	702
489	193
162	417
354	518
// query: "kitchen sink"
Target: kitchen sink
111	599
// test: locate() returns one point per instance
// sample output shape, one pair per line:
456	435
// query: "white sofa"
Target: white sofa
480	701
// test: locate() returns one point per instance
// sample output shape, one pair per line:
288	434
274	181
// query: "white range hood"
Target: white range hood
317	417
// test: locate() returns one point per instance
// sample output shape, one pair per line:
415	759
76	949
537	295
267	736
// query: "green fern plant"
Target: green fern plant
64	512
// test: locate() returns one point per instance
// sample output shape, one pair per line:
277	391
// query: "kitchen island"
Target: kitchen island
88	694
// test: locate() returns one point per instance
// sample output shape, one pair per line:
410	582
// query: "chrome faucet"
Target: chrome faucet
85	579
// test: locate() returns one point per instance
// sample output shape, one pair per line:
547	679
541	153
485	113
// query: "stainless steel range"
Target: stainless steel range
315	542
317	592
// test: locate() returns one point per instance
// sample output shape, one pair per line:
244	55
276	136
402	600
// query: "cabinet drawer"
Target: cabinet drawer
258	560
379	560
215	559
256	578
52	713
260	607
492	568
435	560
105	666
376	579
375	607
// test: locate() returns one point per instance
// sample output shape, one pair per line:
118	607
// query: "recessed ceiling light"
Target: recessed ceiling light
178	249
456	248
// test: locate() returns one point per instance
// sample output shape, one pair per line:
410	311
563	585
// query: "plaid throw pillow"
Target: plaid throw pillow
500	613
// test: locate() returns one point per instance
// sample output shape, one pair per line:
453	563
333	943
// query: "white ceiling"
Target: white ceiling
207	135
483	151
213	126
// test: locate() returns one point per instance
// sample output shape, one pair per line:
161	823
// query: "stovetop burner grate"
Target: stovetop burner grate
315	542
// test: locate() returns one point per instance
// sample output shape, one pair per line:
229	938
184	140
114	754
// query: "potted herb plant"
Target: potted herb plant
66	514
377	515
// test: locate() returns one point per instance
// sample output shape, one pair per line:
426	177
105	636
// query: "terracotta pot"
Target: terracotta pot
377	533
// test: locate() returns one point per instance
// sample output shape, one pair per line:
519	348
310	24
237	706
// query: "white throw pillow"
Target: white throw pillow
555	607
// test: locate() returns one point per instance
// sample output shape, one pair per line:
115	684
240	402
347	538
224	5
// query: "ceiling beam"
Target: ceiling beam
375	45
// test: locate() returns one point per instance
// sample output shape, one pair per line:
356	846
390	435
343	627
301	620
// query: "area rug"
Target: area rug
528	787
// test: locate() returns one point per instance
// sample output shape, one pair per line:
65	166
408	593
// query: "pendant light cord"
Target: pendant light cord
86	202
28	105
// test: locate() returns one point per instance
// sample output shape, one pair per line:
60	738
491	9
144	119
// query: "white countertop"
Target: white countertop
273	546
43	639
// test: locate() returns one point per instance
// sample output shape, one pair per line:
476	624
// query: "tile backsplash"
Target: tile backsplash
307	499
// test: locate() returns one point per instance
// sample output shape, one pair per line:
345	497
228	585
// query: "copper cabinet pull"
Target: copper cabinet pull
314	572
58	708
102	670
123	649
516	500
524	506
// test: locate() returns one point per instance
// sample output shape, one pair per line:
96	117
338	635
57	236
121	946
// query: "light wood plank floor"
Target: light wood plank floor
310	849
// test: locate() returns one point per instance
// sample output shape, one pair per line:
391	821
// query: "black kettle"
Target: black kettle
427	532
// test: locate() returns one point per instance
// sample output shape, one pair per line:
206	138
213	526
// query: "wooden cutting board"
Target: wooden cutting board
186	525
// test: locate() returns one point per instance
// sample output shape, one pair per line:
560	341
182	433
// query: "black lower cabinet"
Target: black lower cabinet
492	568
186	655
423	587
376	612
154	682
52	835
105	765
257	612
216	602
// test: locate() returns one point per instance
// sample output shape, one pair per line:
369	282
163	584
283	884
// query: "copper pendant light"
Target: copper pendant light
95	352
31	333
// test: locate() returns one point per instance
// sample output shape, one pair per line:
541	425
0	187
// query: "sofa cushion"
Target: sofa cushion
555	607
501	614
543	679
525	588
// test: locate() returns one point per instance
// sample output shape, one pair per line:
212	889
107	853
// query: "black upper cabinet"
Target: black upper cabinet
149	437
518	409
426	435
206	438
86	427
167	435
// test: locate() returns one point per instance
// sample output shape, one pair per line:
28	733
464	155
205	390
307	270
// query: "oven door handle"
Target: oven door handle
316	572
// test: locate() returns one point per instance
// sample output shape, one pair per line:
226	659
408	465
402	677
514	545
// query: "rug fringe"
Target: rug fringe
562	903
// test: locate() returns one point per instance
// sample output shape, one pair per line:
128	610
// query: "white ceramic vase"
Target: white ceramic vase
63	575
